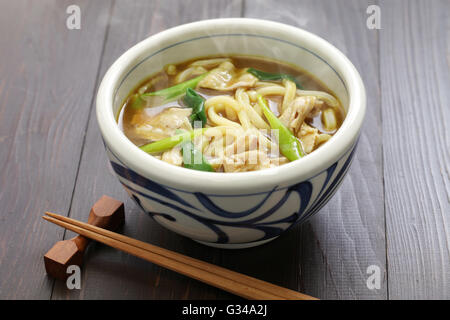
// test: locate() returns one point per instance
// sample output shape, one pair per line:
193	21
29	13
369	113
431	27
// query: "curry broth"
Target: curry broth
163	80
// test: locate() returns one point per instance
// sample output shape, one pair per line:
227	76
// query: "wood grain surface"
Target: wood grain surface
46	90
392	210
415	88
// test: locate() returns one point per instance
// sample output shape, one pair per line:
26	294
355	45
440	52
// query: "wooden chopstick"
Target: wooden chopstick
249	281
236	283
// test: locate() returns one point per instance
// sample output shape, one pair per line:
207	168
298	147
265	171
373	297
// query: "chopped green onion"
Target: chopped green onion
136	102
197	104
170	142
168	94
176	91
194	159
290	146
267	76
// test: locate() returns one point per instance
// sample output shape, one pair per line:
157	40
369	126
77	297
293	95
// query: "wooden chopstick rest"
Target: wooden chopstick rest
107	213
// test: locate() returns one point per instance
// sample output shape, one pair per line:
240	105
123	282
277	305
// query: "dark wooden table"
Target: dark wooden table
392	210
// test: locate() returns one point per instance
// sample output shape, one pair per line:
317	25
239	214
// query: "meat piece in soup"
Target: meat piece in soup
230	114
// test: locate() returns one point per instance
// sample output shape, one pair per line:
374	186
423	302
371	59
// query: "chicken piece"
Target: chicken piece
209	63
249	152
245	161
318	106
226	78
245	142
250	161
322	138
189	74
275	162
311	138
162	125
173	156
308	135
295	114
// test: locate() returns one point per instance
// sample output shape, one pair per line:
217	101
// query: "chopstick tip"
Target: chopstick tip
51	214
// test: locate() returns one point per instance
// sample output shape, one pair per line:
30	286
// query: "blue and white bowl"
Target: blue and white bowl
232	210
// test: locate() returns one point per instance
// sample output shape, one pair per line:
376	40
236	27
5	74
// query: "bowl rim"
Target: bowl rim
183	179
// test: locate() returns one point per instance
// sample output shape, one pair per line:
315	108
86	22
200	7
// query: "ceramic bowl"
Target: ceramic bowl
232	210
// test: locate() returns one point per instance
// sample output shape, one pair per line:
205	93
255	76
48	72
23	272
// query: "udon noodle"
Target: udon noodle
230	114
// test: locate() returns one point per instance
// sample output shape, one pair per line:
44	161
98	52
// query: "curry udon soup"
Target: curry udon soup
230	114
